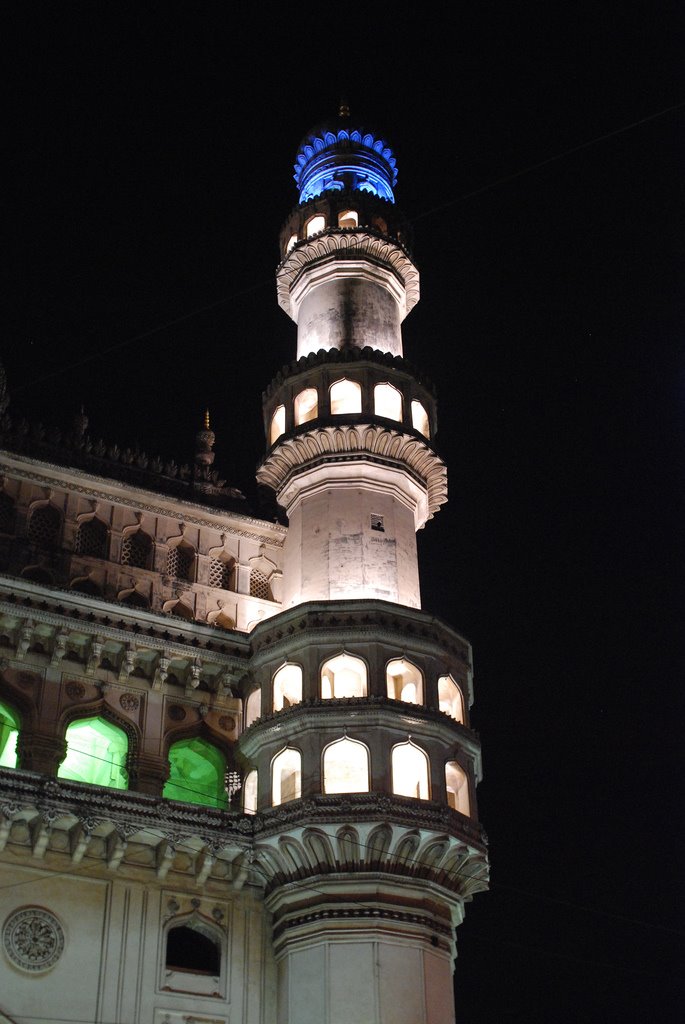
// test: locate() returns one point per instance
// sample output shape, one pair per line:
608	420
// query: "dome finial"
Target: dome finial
343	109
207	426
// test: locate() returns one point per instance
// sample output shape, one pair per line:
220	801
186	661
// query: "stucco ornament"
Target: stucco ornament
33	939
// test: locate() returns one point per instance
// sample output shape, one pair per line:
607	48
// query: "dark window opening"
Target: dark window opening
377	523
190	950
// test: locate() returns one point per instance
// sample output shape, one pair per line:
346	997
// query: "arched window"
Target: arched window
306	406
91	538
277	424
346	767
348	219
221	571
387	401
260	586
178	608
250	792
253	707
180	562
410	771
7	514
286	776
193	949
450	699
197	770
404	681
315	224
419	419
86	585
346	396
10	724
457	784
287	686
136	550
96	754
292	242
343	676
44	526
134	598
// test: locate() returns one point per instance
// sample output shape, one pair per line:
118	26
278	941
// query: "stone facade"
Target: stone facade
237	773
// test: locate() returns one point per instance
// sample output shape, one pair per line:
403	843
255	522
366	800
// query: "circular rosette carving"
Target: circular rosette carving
33	939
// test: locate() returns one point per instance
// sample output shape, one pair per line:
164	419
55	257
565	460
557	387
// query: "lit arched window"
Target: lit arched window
346	767
287	687
405	681
253	707
180	562
260	586
136	550
286	776
419	419
346	396
250	792
277	424
410	771
343	676
96	753
197	770
91	538
387	401
450	699
457	784
306	406
348	219
44	526
292	242
193	948
10	724
316	224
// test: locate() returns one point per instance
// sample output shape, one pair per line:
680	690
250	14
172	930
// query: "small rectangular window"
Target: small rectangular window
377	523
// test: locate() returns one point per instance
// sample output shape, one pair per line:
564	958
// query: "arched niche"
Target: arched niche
387	401
10	727
97	752
419	418
250	792
253	707
345	397
287	687
457	785
410	771
44	525
343	676
450	698
91	538
197	771
315	224
180	562
348	219
306	406
286	776
192	947
346	767
404	681
136	549
277	426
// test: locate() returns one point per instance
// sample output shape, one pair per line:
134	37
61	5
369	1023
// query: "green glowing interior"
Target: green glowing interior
197	771
9	733
96	753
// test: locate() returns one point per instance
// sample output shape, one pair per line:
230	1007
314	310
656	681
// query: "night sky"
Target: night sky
151	160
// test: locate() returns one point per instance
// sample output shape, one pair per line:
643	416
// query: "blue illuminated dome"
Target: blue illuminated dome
334	157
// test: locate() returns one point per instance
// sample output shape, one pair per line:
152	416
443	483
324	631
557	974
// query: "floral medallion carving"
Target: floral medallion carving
227	723
176	713
129	701
75	690
33	939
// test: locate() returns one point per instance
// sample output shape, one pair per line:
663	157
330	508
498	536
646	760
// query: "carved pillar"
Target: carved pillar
148	774
40	753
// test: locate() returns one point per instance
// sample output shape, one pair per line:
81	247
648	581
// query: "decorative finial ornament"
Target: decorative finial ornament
343	109
207	426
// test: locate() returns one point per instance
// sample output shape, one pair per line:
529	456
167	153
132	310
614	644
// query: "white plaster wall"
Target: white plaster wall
331	552
348	312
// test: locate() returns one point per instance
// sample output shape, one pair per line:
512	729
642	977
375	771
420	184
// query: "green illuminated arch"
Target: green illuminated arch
10	724
96	753
197	773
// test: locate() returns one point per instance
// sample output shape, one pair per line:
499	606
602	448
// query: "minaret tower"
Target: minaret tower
359	753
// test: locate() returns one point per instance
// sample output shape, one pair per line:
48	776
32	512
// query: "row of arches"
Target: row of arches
346	768
345	675
346	219
345	396
98	754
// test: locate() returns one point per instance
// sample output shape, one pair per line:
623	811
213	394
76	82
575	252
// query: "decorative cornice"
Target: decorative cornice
347	442
343	243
